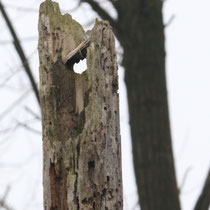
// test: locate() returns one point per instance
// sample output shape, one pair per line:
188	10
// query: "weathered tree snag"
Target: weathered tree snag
80	114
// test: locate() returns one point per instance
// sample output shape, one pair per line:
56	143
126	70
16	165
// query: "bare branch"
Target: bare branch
171	19
9	77
184	179
32	113
6	130
11	130
3	203
20	52
13	73
29	128
101	12
203	202
14	104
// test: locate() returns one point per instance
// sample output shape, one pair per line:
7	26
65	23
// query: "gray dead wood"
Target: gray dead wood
80	114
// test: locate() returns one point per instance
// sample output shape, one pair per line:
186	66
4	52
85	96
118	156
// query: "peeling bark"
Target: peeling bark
80	115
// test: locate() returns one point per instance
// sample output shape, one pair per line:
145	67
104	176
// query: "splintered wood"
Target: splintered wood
80	114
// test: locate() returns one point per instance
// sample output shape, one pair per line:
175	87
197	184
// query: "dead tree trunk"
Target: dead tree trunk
80	114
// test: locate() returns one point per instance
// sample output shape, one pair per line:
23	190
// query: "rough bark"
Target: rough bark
140	30
80	115
144	61
203	202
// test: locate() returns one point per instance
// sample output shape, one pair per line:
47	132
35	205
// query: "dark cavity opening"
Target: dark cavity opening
91	164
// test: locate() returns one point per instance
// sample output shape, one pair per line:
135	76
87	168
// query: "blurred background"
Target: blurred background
188	84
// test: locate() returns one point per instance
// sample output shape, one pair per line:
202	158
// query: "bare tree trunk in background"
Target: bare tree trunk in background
144	62
80	115
140	30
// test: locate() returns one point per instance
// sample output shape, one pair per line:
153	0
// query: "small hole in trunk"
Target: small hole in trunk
80	67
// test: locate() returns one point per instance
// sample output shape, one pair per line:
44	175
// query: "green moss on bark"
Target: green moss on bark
61	22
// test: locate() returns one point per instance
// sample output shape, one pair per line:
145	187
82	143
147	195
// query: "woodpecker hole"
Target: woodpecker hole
80	67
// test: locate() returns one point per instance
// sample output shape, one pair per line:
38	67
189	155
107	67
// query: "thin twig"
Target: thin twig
32	113
13	105
3	203
20	52
9	77
171	19
6	130
29	128
11	132
14	72
184	179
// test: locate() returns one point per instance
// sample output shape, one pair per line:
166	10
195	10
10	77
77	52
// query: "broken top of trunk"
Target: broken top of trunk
80	114
65	33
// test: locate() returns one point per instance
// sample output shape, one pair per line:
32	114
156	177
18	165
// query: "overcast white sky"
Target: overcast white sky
188	78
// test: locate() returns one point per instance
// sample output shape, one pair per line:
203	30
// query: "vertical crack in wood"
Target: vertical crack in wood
80	114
